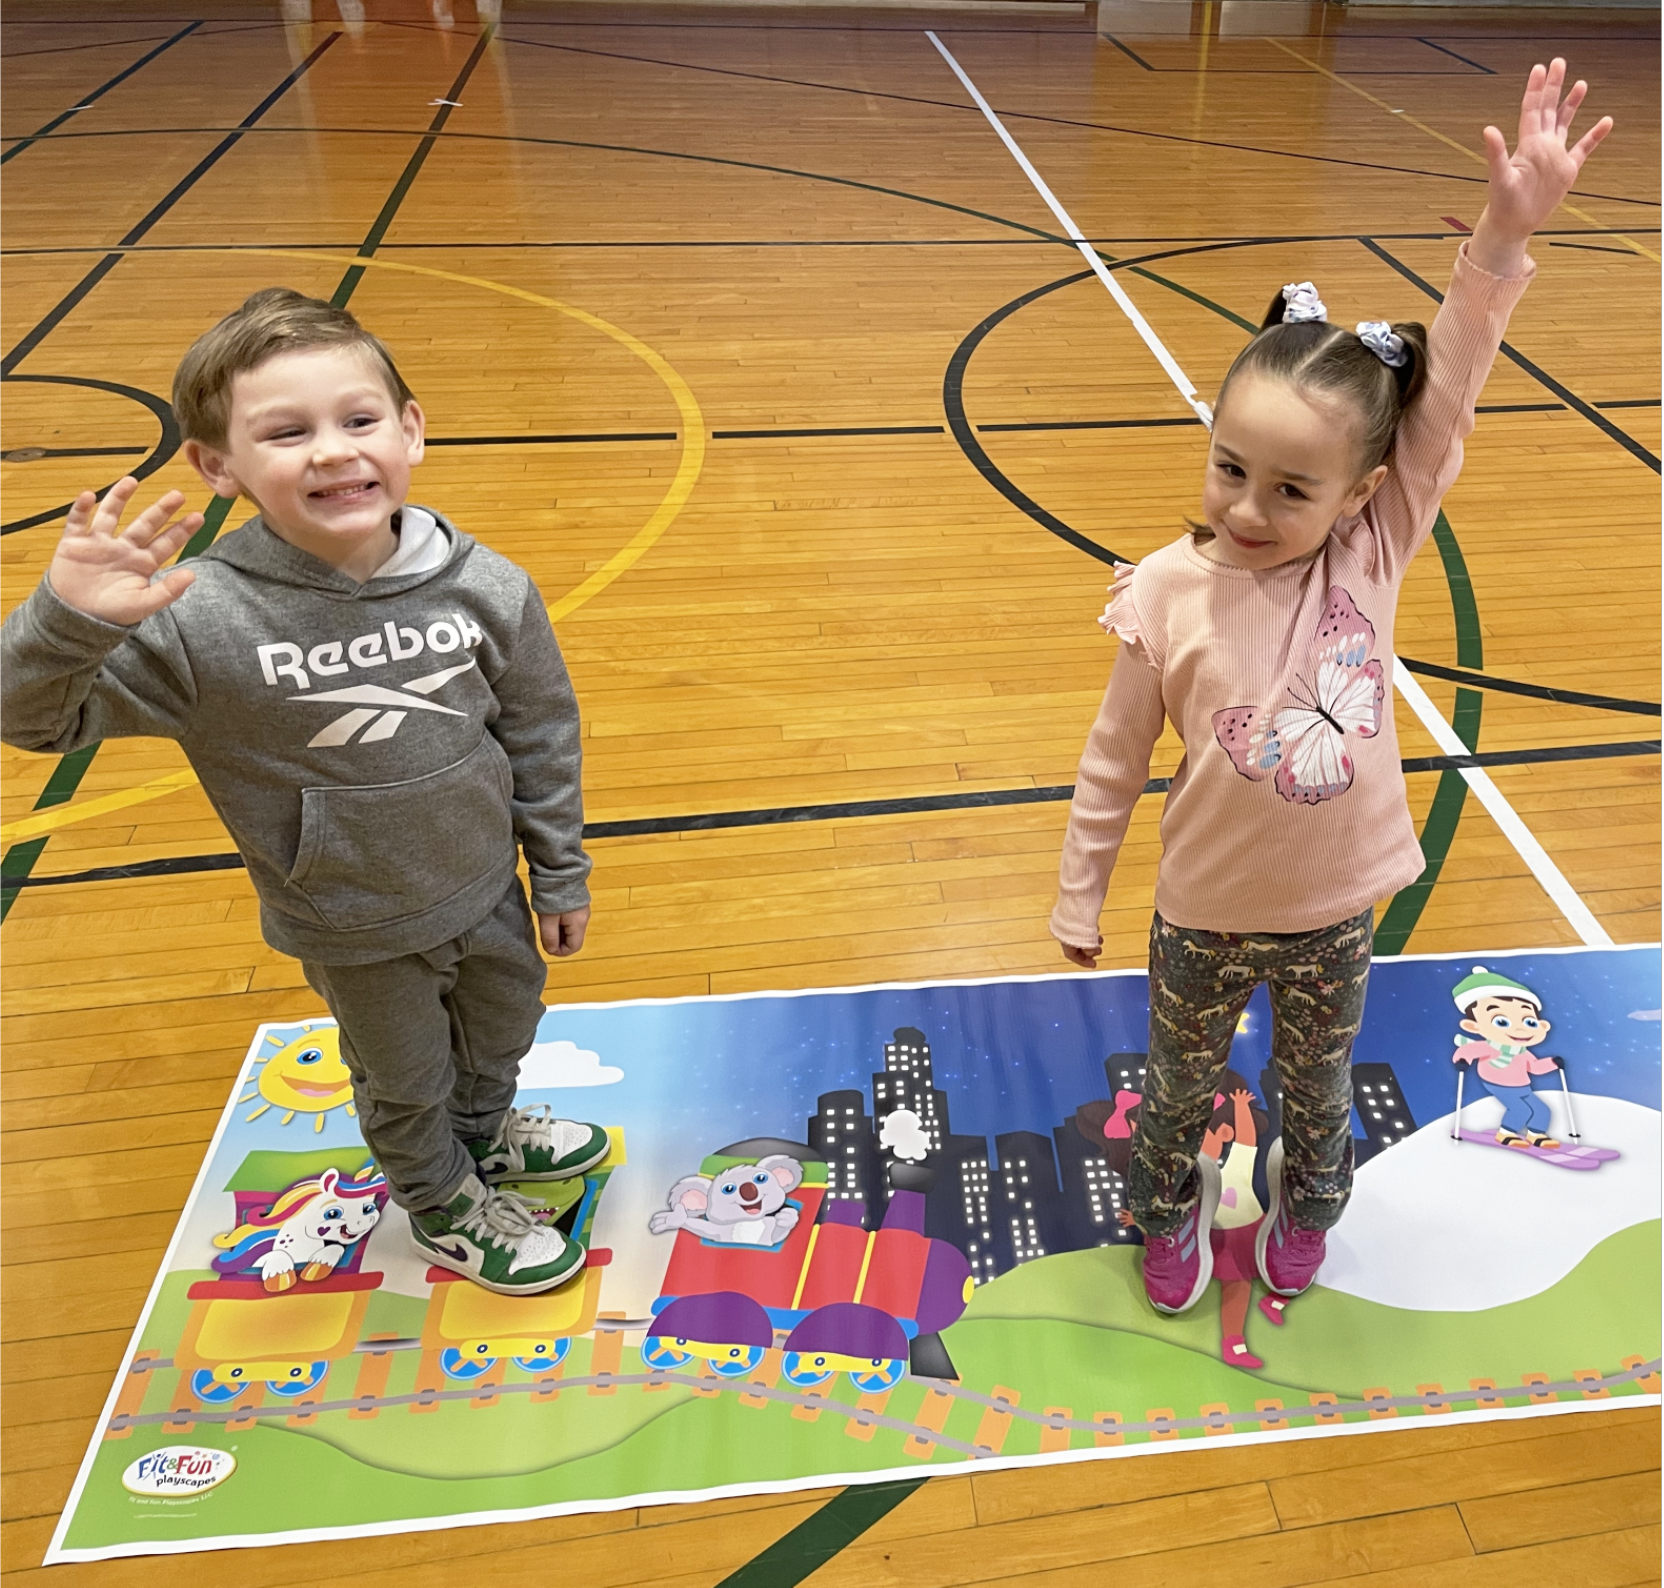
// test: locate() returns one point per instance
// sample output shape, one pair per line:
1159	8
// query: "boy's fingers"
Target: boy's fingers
81	510
169	540
108	516
154	519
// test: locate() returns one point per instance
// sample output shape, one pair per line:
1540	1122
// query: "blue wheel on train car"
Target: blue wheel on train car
210	1391
877	1376
806	1369
736	1361
660	1351
544	1357
299	1380
466	1366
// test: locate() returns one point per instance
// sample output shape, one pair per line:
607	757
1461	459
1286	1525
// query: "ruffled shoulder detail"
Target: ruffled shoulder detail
1120	615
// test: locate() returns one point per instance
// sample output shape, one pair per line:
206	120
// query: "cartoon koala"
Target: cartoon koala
743	1206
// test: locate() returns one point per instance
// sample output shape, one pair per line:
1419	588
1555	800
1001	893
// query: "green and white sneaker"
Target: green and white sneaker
491	1236
531	1144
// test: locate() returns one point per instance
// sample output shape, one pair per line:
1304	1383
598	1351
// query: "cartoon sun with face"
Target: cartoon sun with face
304	1075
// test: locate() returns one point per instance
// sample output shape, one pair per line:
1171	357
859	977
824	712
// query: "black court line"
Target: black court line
378	227
547	441
1060	121
1488	71
1513	686
56	315
1598	248
1540	375
1093	424
1127	50
829	430
99	92
34	454
846	810
72	49
790	242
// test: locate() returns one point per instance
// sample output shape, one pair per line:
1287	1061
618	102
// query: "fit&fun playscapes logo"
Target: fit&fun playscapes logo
178	1470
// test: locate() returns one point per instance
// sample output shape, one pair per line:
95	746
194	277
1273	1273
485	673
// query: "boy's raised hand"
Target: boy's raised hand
108	574
1529	185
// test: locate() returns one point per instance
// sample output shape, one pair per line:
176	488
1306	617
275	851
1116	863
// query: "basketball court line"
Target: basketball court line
1548	875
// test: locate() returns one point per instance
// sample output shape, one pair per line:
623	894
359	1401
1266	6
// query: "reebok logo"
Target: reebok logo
379	710
376	722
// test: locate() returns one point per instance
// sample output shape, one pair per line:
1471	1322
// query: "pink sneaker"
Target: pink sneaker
1287	1254
1177	1267
1233	1350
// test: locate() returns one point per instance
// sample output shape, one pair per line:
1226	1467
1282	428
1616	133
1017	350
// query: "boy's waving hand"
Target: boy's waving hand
111	575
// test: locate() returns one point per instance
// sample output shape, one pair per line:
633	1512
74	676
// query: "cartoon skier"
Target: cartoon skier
1505	1020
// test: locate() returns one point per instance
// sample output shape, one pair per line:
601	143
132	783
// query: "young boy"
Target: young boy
377	709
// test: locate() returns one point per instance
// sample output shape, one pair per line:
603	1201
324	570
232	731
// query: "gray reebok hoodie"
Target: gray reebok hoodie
376	750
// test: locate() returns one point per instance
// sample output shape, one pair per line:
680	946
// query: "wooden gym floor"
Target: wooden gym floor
806	534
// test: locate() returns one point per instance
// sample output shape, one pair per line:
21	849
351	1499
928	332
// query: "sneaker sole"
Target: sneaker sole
500	1176
1274	1184
1207	1205
457	1266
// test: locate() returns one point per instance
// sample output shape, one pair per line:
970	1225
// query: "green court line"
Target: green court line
1444	815
817	1538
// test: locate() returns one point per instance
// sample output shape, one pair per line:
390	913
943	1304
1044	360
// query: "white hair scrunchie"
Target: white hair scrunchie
1384	343
1301	302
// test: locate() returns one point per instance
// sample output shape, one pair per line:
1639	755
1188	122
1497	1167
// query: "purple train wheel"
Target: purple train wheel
724	1317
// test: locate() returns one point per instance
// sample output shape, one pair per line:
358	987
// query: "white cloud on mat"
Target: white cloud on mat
564	1063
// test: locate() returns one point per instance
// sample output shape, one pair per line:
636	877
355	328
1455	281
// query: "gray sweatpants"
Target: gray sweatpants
433	1042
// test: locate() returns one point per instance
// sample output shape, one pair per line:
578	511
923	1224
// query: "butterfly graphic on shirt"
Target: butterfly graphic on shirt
1302	744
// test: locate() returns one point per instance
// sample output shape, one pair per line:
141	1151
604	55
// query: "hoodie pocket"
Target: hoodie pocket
374	854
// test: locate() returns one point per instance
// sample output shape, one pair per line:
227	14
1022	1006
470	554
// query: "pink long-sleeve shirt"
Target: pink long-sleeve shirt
1277	820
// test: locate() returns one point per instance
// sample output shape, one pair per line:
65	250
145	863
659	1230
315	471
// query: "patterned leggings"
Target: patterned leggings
1199	984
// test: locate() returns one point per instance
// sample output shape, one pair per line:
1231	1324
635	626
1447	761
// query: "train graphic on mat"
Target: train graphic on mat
289	1294
760	1250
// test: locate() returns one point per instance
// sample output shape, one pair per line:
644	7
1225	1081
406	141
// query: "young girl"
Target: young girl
1266	637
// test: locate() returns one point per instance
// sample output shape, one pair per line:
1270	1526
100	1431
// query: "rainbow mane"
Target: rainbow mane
261	1228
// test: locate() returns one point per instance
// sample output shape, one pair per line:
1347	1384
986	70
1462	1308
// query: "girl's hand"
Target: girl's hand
1086	958
1529	185
110	575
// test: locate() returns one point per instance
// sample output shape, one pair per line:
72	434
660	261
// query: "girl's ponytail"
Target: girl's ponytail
1412	376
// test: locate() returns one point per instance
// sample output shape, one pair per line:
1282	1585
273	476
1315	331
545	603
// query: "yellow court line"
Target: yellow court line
1460	148
688	469
50	820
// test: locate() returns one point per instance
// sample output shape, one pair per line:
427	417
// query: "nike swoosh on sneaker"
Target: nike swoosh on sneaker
461	1251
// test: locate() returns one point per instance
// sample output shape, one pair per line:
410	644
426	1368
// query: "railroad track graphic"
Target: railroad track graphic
1324	1409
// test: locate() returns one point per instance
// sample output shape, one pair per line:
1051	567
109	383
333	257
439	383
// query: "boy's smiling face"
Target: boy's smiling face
1511	1020
318	442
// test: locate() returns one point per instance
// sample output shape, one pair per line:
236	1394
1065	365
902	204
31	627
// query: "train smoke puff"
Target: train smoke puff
902	1133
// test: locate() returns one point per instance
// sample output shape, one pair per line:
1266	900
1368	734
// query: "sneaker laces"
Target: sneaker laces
536	1127
505	1220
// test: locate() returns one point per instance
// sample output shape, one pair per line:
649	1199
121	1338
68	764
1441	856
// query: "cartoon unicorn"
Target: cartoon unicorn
310	1226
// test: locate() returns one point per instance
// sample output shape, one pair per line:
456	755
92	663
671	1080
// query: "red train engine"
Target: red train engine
868	1303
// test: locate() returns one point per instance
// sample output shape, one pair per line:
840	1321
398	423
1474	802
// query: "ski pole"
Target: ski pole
1566	1092
1456	1120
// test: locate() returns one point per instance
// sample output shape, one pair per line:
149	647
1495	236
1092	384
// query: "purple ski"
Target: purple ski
1561	1157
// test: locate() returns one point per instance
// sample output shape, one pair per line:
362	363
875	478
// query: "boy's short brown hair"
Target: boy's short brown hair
275	320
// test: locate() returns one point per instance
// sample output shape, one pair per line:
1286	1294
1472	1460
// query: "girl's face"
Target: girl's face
1282	468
